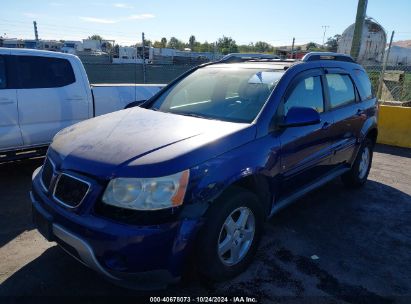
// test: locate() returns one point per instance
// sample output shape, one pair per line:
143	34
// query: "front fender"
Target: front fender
256	158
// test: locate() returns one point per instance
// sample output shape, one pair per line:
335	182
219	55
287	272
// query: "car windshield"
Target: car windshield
228	94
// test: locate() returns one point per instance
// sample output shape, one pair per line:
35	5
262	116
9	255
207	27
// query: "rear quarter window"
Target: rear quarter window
44	72
364	85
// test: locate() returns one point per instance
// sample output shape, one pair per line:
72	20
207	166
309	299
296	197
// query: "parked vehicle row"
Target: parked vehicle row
197	169
43	92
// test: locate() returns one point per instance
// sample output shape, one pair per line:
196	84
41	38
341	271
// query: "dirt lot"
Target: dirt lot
362	239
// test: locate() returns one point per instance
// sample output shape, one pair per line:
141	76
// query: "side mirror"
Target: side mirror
300	116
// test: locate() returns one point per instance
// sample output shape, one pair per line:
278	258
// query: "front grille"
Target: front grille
70	190
47	174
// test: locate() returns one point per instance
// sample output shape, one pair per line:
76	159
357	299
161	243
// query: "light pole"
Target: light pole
325	27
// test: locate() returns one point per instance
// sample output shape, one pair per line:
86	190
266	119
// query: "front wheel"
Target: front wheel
229	238
358	174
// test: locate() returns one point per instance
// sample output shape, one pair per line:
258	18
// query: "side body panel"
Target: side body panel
10	134
352	124
306	151
109	98
306	154
45	111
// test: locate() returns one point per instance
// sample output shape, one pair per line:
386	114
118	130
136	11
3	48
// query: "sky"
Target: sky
273	21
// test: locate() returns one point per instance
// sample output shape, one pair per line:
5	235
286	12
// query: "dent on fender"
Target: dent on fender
218	174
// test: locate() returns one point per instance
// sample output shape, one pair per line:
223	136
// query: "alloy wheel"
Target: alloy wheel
236	236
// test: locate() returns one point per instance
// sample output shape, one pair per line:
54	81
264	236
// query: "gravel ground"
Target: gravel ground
362	239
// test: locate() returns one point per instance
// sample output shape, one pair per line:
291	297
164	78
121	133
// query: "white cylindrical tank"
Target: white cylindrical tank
373	41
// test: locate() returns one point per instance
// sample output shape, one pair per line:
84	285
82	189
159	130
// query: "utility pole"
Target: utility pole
36	34
384	66
325	27
292	49
359	23
144	58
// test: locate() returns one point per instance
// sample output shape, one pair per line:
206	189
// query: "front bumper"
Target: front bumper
135	256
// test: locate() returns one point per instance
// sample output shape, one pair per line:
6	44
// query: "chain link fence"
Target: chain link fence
392	83
133	73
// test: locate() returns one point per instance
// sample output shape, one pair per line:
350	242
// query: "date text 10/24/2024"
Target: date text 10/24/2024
239	299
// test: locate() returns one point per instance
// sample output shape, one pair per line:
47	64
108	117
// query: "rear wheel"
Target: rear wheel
229	238
358	174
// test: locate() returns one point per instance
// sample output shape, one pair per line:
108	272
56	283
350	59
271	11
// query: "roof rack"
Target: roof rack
314	56
272	60
247	59
241	57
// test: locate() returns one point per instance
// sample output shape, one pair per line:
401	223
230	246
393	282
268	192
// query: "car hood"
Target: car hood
144	143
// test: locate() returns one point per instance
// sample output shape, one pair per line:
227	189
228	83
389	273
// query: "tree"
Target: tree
192	41
157	44
262	47
174	43
160	44
206	47
163	42
196	47
106	46
311	46
246	48
95	37
332	43
314	47
116	51
227	45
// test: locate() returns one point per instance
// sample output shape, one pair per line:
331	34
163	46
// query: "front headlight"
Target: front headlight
147	193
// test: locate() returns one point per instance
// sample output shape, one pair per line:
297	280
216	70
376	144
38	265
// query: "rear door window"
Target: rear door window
340	89
3	80
44	72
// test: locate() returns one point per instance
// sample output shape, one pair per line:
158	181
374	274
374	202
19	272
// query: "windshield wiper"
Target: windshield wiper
190	114
197	115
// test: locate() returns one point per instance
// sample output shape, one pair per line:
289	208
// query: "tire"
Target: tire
358	174
214	237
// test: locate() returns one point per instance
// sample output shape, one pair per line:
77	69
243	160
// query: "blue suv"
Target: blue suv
193	173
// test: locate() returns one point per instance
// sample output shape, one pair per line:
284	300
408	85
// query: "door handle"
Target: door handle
360	112
326	125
